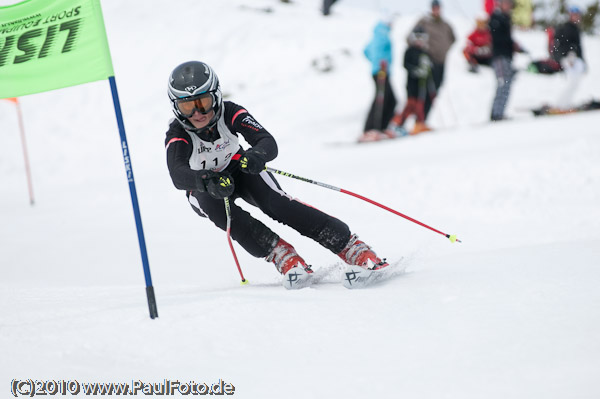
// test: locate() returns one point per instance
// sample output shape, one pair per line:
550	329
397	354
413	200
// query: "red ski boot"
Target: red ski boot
290	264
357	253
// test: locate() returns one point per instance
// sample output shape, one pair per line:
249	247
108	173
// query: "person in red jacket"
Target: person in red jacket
478	50
489	6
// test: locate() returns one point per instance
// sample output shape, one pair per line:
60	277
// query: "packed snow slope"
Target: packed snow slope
511	312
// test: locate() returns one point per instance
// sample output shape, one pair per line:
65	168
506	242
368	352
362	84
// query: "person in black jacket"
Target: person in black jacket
205	158
567	36
568	53
503	48
419	84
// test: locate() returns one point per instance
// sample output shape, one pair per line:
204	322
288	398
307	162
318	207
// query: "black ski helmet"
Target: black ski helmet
192	79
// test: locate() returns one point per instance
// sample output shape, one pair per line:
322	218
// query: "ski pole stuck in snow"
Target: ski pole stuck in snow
451	237
228	213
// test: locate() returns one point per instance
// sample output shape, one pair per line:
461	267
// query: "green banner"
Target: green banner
50	44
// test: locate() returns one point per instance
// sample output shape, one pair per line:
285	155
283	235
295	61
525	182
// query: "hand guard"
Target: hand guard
253	161
220	186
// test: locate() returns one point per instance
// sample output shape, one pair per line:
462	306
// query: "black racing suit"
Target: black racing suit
190	155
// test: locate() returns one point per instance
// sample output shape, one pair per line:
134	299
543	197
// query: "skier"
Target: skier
205	158
569	53
567	36
419	84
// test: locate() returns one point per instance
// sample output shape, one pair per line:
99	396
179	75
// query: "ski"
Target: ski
356	277
329	274
297	278
350	276
266	10
378	135
548	110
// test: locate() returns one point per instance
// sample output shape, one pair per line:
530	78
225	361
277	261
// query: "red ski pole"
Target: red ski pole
452	238
237	263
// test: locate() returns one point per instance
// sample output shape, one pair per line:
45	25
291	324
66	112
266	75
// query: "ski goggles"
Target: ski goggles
203	103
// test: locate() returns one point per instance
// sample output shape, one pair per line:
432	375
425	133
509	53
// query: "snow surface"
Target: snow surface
512	312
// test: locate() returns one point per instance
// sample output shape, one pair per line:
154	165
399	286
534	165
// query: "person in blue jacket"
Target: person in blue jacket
379	53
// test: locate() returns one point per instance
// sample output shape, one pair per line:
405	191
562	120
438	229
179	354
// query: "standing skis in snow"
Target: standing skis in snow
205	158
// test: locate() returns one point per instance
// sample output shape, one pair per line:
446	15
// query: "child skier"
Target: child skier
419	84
205	158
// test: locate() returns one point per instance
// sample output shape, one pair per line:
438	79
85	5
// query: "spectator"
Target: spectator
489	6
441	37
562	40
503	47
478	50
419	84
522	15
379	53
567	36
569	54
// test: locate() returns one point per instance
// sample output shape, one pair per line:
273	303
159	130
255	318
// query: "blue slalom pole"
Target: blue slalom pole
134	200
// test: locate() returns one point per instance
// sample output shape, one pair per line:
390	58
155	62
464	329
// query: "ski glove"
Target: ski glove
218	185
253	161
